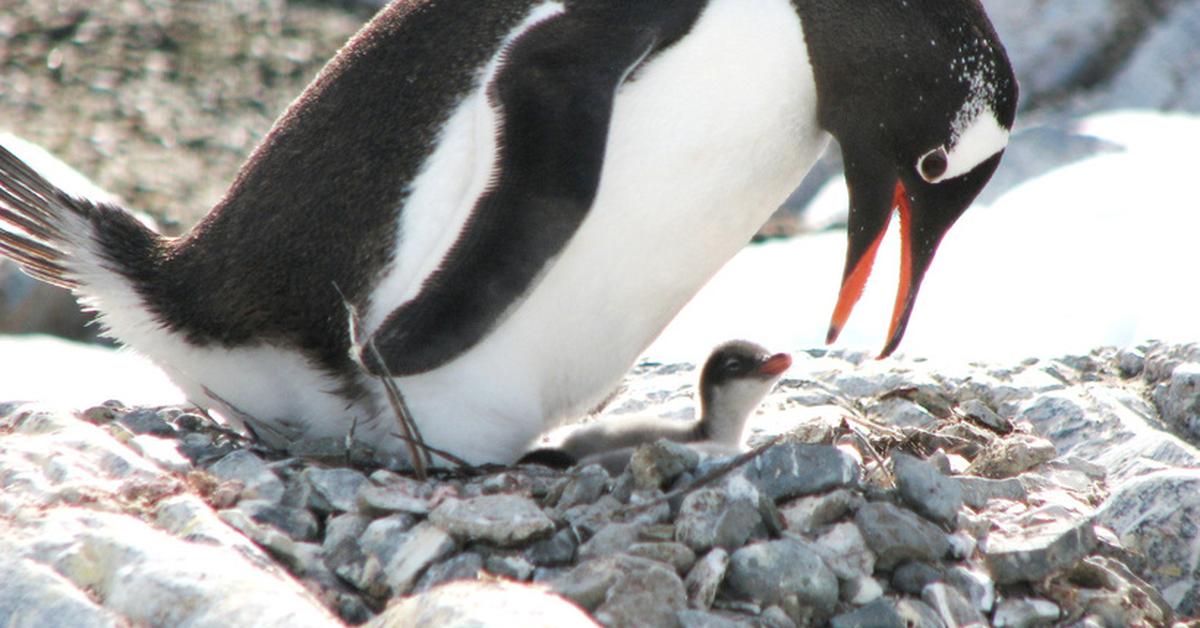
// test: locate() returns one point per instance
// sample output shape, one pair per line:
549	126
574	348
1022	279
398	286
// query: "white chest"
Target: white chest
706	140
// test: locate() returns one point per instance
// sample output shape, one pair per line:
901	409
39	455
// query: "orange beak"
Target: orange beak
856	279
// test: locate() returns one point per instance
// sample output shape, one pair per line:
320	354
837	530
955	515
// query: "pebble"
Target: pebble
513	567
951	605
297	523
705	579
977	491
258	480
797	469
1025	613
464	566
625	590
386	492
712	517
981	413
611	539
925	489
897	536
483	603
788	573
655	465
1038	547
912	577
584	486
333	490
677	555
807	515
918	614
844	550
504	520
1012	456
555	551
880	613
414	551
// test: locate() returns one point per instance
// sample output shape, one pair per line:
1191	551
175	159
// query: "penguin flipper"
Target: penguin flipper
554	95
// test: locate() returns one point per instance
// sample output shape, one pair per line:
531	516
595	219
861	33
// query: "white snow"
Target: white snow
1101	252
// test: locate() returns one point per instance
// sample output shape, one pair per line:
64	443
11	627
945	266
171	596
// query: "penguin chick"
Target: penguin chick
735	378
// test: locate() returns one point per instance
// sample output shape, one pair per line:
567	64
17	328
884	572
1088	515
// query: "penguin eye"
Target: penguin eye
933	165
731	364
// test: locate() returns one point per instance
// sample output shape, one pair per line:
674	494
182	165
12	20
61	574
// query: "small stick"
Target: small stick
707	479
417	449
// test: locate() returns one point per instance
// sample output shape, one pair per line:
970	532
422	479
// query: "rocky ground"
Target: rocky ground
882	493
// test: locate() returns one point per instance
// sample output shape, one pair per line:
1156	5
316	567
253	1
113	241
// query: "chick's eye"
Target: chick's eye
732	364
933	164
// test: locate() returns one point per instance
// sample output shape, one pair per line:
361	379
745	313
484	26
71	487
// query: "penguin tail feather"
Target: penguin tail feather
61	239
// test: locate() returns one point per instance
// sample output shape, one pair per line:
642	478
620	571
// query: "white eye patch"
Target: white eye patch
977	141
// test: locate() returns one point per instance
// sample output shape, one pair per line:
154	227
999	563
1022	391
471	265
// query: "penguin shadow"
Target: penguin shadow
734	380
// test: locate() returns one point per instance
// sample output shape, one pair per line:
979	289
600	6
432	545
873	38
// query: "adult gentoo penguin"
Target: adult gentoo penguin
735	378
518	195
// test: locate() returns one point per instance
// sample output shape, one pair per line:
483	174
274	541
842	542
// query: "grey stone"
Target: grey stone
1130	361
788	573
343	528
1157	514
693	618
900	412
554	551
1012	455
705	579
677	555
1179	400
1159	74
775	617
483	603
513	567
387	492
587	519
1038	548
656	464
379	538
897	536
878	614
611	539
334	490
414	551
917	614
625	590
146	421
980	412
258	479
808	514
860	590
844	550
32	594
952	606
911	578
796	469
975	585
298	524
465	566
584	486
976	491
712	517
926	490
1025	613
503	520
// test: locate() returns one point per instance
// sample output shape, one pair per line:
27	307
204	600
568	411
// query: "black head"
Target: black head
921	97
739	360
